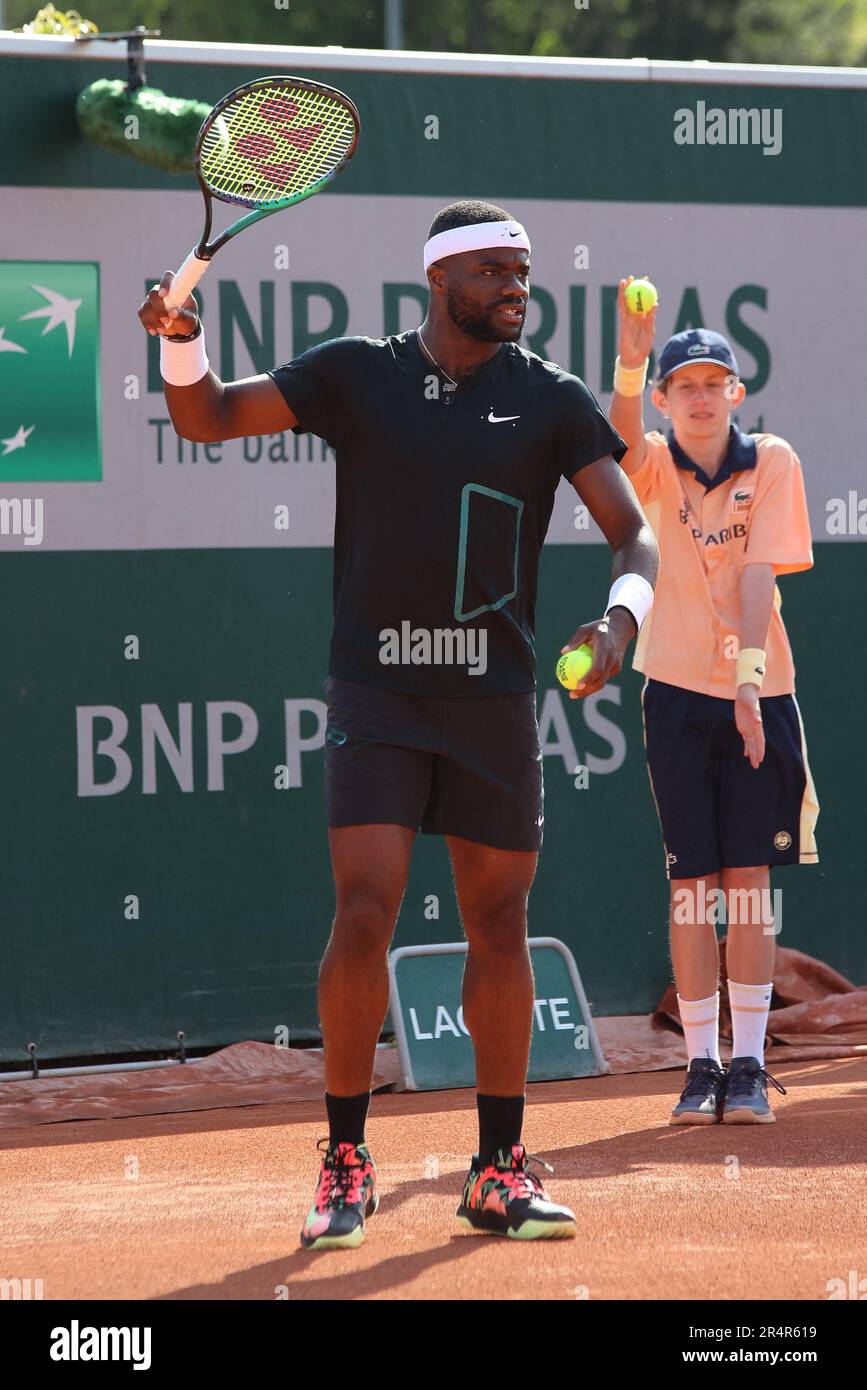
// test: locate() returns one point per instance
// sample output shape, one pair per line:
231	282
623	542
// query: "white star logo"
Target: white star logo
59	310
17	441
6	344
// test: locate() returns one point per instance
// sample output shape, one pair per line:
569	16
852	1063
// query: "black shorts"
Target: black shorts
468	766
716	810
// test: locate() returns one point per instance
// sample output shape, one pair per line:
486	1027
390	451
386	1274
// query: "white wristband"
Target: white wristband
182	364
631	591
751	667
629	381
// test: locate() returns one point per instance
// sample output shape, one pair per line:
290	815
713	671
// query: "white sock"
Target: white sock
749	1005
700	1019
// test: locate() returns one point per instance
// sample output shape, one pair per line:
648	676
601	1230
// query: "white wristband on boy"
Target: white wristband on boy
751	667
184	363
632	592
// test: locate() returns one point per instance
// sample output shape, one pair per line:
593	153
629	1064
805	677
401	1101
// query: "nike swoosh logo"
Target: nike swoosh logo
497	419
514	233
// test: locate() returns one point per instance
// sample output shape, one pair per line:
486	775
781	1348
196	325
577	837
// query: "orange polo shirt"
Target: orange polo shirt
753	512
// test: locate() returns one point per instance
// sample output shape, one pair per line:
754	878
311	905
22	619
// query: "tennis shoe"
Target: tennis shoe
746	1093
502	1196
702	1097
345	1196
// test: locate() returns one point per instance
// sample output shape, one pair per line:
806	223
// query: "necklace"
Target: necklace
429	354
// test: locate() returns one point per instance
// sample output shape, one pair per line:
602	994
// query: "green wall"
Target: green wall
609	141
234	888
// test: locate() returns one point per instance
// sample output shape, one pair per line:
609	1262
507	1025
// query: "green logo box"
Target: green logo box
434	1047
49	372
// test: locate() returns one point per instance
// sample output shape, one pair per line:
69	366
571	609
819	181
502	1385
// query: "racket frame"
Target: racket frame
200	257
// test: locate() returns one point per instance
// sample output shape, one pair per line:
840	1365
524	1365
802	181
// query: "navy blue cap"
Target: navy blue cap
695	345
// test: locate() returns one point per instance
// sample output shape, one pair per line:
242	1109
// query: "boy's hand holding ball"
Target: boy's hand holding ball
641	296
636	302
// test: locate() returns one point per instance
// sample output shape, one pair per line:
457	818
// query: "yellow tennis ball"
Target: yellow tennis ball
573	666
641	296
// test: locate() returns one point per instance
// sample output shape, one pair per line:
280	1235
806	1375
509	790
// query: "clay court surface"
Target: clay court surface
724	1212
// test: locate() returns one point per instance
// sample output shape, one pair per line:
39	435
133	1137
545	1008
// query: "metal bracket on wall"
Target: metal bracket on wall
135	72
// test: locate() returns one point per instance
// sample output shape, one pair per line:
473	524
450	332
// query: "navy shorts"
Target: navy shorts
468	766
715	809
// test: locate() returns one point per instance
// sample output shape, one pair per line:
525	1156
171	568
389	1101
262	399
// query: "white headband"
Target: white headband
478	236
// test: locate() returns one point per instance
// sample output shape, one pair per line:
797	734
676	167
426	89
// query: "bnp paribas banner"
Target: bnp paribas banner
84	426
49	371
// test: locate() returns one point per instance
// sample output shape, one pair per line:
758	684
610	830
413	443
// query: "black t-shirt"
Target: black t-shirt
443	502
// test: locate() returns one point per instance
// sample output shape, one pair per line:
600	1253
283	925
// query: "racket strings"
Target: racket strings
273	143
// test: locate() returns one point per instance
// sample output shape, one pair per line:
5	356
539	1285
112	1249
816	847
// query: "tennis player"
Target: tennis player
451	440
723	733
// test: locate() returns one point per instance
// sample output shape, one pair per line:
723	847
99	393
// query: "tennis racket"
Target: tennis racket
265	146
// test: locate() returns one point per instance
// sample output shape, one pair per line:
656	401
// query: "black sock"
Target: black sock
500	1121
346	1117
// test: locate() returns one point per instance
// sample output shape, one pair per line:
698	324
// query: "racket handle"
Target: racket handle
185	281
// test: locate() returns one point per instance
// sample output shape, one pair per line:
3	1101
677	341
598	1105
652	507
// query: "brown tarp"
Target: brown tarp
815	1013
247	1073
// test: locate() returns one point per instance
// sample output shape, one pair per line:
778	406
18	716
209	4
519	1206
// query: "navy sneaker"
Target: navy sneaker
702	1096
746	1093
